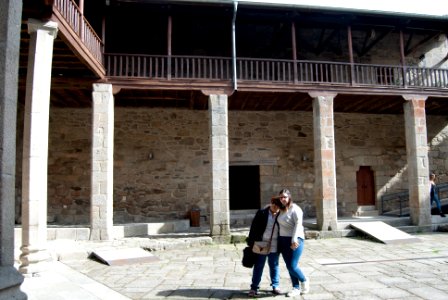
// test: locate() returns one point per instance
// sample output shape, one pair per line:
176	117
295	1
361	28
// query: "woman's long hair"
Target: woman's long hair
288	193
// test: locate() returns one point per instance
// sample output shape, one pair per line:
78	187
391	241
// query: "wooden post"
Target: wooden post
403	58
294	51
170	27
350	51
81	19
103	38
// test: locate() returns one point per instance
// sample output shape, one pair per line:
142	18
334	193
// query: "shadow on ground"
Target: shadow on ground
211	294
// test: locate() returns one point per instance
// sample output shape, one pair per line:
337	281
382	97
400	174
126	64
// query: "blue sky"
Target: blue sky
426	7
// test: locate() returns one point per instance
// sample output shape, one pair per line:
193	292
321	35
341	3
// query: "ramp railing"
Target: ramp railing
398	203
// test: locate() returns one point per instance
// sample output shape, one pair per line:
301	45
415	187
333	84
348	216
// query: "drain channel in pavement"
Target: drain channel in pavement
381	260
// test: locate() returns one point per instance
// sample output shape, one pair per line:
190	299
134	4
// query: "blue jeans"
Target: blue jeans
291	258
274	270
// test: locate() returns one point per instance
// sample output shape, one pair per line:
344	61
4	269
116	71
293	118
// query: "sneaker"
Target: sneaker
253	293
305	286
276	291
293	293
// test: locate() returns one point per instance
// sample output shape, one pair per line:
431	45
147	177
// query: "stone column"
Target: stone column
10	22
101	208
324	161
35	147
219	147
417	157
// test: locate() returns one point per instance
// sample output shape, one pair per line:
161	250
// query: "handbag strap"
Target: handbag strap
273	227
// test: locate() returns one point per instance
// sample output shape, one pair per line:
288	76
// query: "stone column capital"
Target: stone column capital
218	91
49	26
103	87
415	97
322	94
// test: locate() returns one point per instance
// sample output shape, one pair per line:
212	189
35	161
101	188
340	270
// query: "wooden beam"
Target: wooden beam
375	41
421	43
323	43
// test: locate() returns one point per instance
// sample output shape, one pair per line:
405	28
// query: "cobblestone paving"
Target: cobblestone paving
340	268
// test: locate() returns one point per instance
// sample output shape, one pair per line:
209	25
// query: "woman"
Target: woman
264	228
434	193
291	242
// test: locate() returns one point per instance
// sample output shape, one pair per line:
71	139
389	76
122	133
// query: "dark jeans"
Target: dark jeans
273	270
435	199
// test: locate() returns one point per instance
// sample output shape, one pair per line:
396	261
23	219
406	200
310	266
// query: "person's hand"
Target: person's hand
294	245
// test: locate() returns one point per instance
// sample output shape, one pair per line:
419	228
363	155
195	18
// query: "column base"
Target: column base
220	230
10	284
34	260
328	226
222	239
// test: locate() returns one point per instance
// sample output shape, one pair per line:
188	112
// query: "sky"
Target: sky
426	7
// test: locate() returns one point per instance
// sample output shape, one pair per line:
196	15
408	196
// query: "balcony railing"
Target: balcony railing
76	20
164	67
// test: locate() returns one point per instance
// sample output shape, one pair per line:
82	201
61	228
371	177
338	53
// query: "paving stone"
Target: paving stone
343	268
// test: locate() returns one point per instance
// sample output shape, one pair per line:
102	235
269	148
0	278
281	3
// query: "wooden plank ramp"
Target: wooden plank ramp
125	256
384	232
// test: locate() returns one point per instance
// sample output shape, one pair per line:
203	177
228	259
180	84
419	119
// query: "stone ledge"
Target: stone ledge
119	231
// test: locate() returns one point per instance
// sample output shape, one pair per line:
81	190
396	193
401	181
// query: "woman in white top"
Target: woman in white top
291	242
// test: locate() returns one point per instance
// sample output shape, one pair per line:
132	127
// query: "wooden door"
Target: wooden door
365	182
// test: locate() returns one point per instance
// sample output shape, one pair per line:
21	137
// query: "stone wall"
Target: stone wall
162	163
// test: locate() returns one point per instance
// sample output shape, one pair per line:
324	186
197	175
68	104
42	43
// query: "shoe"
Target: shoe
276	291
253	293
293	293
442	215
305	286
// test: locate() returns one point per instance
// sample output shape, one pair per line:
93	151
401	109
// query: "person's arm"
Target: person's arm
297	217
255	228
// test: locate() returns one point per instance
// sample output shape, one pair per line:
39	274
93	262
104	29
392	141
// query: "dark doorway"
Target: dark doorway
365	182
244	185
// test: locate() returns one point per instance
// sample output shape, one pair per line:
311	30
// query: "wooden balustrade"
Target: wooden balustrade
264	70
72	14
271	70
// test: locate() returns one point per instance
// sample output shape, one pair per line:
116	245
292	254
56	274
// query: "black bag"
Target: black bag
249	257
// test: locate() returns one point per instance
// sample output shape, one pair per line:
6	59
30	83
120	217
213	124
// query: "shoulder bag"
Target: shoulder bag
264	247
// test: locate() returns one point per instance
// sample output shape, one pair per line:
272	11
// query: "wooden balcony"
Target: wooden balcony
79	34
201	72
177	80
252	74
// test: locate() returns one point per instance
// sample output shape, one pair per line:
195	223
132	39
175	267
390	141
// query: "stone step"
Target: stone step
366	207
368	213
367	210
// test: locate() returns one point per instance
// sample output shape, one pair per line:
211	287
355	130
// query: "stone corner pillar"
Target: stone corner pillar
101	207
219	147
324	161
10	23
417	159
35	255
